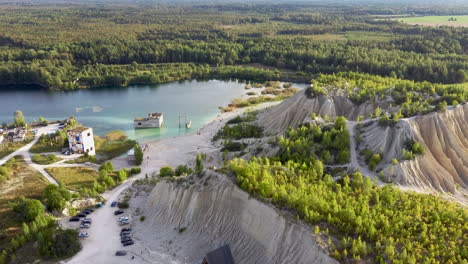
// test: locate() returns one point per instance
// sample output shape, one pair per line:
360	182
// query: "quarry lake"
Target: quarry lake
112	108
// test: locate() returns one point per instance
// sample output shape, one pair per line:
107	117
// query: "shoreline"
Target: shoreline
176	150
103	242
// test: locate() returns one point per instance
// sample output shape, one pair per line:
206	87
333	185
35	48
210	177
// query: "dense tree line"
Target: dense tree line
381	224
407	98
87	47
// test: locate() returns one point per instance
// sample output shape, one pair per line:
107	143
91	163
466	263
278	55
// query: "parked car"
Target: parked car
89	209
124	223
125	239
121	253
74	219
125	235
83	235
87	221
123	218
118	212
126	229
128	243
113	204
81	215
86	212
85	226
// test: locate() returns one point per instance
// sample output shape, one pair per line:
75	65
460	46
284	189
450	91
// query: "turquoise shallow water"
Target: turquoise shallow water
107	109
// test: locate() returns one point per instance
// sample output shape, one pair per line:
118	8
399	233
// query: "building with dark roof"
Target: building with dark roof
221	255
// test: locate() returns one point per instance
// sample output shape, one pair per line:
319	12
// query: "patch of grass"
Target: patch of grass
45	159
26	182
74	178
50	143
114	144
7	148
369	36
436	20
320	37
116	135
82	159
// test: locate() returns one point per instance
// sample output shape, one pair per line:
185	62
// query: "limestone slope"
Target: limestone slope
299	108
443	167
212	211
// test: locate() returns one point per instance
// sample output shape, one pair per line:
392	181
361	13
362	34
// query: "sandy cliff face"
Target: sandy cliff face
299	108
444	166
445	137
215	212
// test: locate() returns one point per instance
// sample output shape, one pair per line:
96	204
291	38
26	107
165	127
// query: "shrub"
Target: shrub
107	166
199	162
183	170
441	107
142	218
122	175
166	172
59	243
138	154
28	209
343	156
56	197
123	204
233	146
417	148
135	170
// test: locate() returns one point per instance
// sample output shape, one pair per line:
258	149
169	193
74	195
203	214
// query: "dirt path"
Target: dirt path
24	151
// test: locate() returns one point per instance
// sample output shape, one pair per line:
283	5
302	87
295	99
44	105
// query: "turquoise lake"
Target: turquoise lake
107	109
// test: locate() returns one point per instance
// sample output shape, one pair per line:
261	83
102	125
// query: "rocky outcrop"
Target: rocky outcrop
208	210
299	108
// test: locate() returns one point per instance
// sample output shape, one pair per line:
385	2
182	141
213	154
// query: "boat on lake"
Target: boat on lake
153	120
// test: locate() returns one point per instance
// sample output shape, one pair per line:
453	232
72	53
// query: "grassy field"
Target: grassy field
74	178
42	147
9	147
461	21
45	159
24	182
369	36
320	37
82	159
114	144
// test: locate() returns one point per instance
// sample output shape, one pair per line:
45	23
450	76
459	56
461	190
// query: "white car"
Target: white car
83	235
85	226
123	218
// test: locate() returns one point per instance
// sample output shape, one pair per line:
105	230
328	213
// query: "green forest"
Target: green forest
358	219
71	47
